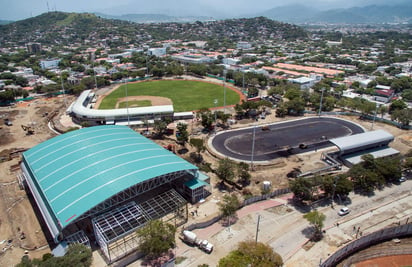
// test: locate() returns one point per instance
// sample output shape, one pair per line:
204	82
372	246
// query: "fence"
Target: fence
248	201
367	241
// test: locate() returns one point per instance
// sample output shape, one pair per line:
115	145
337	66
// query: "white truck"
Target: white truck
191	238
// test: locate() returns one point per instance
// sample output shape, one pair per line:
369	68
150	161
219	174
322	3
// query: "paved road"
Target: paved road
286	231
282	139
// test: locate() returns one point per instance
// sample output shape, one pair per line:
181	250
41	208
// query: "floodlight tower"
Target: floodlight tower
224	92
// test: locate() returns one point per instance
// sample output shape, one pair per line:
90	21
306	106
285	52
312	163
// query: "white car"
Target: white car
343	211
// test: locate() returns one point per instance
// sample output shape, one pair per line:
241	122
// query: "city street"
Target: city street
283	227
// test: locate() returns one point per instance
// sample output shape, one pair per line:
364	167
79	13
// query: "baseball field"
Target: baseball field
183	94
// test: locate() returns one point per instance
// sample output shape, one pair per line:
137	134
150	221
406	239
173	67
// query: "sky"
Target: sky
21	9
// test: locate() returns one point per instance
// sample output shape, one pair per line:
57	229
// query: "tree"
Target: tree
243	173
403	116
198	143
160	127
229	205
77	255
301	188
316	219
397	105
338	185
382	110
225	170
207	119
281	111
373	173
182	136
251	253
156	237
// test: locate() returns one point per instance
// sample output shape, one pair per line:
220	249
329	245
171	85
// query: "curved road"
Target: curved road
282	139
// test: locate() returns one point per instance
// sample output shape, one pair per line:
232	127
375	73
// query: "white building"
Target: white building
304	82
158	51
243	45
49	63
120	55
230	61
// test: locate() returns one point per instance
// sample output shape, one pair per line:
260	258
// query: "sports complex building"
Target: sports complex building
353	147
98	185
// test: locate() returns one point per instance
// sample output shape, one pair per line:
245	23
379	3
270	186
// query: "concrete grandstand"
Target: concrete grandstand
82	110
98	185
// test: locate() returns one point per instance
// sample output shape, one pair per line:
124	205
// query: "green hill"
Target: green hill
69	28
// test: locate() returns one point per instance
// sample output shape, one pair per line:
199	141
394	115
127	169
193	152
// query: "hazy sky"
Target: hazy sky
21	9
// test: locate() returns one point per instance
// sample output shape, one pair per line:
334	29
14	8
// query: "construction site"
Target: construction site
27	229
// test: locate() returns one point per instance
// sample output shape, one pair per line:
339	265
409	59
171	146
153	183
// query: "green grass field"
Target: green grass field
186	95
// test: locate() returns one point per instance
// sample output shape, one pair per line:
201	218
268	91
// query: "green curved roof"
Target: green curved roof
76	171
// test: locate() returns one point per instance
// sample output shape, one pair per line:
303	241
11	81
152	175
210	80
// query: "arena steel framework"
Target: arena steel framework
104	177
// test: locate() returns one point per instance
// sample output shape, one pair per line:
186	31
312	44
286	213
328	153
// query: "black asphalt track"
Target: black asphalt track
282	139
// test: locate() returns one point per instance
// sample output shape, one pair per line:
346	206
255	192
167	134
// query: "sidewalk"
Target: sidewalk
208	232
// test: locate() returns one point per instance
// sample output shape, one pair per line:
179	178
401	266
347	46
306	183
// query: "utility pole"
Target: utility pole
257	228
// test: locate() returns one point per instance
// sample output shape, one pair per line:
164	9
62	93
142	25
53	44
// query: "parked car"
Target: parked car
402	179
343	211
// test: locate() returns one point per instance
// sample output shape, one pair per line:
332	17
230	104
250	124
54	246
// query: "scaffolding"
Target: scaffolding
115	230
134	191
78	237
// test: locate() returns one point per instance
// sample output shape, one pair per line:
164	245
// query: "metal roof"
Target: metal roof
360	140
76	171
376	153
195	183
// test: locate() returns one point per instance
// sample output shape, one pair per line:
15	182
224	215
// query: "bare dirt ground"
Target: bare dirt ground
18	219
154	100
20	230
401	245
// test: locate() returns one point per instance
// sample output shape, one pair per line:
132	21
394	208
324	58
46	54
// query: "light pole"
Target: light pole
253	147
321	98
374	116
224	92
63	91
215	101
95	79
243	82
127	104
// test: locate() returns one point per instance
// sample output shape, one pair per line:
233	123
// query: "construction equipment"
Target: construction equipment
8	122
27	129
191	239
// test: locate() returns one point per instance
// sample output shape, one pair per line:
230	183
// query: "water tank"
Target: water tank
266	185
